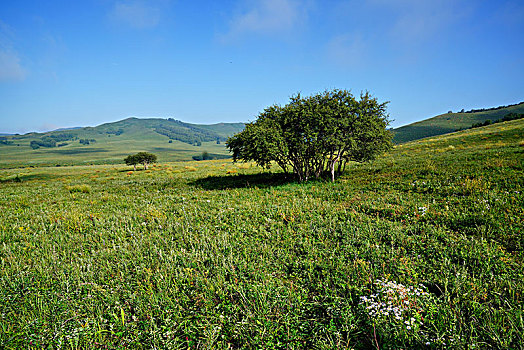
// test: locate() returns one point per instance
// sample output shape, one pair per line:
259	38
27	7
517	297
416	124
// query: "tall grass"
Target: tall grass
197	258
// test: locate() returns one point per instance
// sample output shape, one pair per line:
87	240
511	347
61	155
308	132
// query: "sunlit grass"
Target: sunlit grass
187	255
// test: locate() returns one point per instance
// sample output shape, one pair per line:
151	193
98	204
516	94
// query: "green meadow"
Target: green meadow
420	249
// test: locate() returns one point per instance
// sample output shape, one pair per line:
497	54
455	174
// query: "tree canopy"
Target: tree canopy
315	135
144	158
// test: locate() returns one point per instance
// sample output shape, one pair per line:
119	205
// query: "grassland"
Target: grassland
420	249
110	146
450	122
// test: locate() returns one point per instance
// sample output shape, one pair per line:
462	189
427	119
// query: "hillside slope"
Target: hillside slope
450	122
169	139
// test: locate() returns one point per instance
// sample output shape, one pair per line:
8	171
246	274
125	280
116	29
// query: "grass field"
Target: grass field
421	249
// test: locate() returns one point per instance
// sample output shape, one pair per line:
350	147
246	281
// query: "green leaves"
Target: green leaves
311	135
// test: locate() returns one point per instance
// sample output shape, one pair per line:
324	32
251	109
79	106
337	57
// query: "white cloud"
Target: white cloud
137	14
268	17
421	21
47	127
404	29
417	21
10	67
347	50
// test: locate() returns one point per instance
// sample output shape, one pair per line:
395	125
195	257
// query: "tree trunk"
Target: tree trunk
134	167
332	164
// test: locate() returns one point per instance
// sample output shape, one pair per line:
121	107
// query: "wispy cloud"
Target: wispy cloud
347	50
267	17
138	14
402	30
415	21
47	127
11	68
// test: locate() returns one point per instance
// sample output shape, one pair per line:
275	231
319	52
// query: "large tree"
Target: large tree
315	135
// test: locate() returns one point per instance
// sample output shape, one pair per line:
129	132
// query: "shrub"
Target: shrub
144	158
315	135
79	188
44	142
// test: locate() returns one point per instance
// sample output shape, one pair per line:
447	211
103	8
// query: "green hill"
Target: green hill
169	139
451	122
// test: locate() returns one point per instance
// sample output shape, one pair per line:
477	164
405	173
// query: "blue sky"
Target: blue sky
83	63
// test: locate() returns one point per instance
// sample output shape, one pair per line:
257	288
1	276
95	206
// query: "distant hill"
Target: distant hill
450	122
71	128
108	143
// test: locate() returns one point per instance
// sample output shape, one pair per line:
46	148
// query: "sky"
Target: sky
83	63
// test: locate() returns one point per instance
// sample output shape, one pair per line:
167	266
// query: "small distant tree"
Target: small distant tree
144	158
131	160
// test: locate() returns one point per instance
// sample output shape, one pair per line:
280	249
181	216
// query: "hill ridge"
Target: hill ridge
110	142
451	122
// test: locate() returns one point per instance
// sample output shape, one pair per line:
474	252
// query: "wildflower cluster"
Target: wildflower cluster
397	301
405	312
399	311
